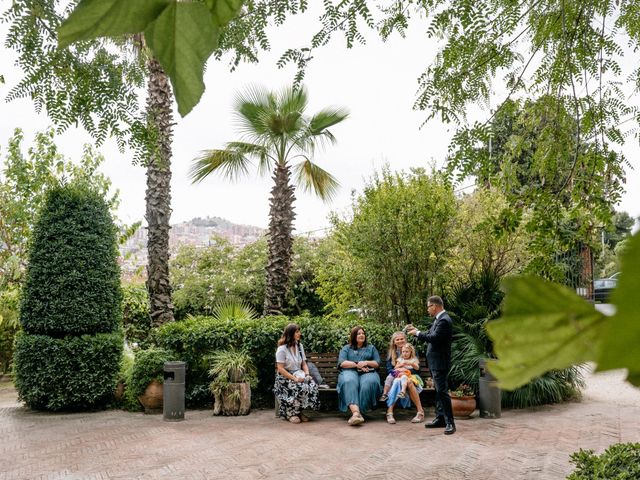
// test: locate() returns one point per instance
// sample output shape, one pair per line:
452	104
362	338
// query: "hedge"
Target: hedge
72	283
70	373
194	338
619	461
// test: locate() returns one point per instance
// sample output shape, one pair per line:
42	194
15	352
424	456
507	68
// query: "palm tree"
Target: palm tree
282	140
158	194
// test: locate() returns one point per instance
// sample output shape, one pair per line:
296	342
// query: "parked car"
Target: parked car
602	288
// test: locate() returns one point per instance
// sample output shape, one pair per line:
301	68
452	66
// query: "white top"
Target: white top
292	359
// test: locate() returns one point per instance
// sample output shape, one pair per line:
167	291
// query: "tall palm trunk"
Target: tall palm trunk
280	241
158	195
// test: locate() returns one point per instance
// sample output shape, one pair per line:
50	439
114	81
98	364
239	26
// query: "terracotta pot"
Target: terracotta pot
119	392
151	400
463	406
235	400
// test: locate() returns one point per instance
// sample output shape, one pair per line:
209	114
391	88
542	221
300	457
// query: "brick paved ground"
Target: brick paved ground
523	444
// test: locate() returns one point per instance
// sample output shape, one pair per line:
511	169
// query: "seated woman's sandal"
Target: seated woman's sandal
402	395
384	397
419	418
390	419
356	419
294	419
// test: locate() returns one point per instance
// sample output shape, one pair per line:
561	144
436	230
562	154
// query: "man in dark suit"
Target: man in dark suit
439	339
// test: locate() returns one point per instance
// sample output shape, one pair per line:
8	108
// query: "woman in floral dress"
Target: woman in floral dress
294	388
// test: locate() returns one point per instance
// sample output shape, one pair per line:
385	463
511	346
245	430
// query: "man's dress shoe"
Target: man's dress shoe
450	429
437	422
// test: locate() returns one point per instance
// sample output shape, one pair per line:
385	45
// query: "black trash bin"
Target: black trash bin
489	395
173	392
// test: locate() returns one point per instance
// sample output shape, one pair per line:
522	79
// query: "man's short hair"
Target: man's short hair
435	300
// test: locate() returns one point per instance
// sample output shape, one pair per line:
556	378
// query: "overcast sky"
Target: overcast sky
376	82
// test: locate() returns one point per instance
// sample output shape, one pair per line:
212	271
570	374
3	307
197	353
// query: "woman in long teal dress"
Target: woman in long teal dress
358	381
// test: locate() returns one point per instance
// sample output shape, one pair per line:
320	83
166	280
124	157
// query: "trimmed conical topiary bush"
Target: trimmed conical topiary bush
67	356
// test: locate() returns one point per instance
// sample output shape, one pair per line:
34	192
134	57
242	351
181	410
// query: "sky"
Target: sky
376	82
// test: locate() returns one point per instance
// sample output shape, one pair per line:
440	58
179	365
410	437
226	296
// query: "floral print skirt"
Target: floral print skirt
294	397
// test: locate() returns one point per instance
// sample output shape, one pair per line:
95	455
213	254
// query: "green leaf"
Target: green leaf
108	18
621	334
223	11
545	326
182	39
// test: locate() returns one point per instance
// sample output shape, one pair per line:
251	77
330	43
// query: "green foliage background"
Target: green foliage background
392	253
195	338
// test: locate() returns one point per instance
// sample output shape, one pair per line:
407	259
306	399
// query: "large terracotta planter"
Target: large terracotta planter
463	406
119	392
151	400
234	400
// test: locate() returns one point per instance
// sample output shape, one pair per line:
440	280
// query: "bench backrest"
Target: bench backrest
327	364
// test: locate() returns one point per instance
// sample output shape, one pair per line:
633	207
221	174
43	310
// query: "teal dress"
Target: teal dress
362	389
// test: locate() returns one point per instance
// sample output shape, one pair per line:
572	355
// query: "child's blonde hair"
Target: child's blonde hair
411	348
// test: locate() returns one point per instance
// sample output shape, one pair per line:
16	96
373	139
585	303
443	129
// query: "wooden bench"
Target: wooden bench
327	364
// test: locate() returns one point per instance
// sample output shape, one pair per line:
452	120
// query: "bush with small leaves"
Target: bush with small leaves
68	355
621	461
69	373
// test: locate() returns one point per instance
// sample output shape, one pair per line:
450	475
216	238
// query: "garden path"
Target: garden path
531	444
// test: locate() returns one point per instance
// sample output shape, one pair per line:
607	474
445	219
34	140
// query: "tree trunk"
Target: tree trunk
158	195
280	241
235	400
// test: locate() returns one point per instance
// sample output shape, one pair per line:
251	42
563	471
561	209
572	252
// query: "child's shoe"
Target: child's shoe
384	397
402	395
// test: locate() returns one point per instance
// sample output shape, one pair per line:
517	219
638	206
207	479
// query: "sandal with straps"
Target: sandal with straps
390	419
294	419
419	418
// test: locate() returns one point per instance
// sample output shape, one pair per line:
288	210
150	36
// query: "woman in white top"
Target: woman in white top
294	388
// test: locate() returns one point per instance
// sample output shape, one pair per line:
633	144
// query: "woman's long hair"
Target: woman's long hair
392	353
353	337
288	336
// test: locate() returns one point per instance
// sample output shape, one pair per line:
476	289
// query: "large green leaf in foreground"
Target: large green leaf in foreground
620	342
108	18
545	326
182	38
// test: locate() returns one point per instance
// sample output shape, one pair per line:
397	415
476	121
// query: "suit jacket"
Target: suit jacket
439	339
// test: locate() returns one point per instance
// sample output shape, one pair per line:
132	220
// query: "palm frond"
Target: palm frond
232	309
231	163
265	160
310	177
327	118
253	107
291	100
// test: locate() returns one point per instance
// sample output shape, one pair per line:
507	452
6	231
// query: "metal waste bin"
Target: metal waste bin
173	392
490	395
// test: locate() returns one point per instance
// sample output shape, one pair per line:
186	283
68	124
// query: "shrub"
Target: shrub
619	461
68	356
554	386
69	373
147	367
195	338
472	304
72	284
231	366
135	313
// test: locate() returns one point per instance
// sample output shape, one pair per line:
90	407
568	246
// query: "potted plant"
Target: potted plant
233	374
463	400
147	377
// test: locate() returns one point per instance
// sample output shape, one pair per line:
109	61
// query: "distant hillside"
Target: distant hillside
198	232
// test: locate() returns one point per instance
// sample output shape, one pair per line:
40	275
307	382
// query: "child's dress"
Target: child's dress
400	378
